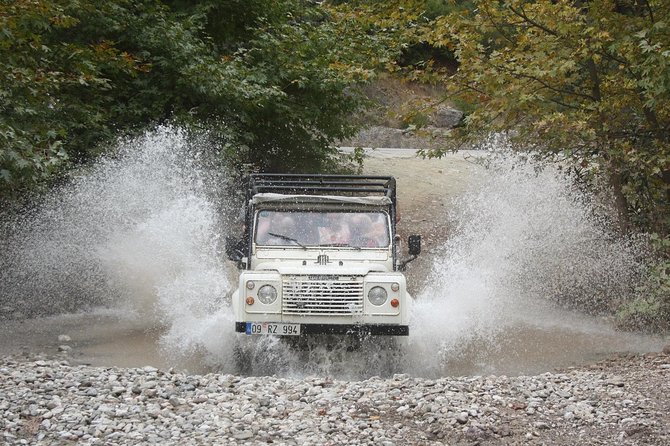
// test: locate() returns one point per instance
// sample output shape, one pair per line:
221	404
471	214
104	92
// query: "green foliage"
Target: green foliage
650	309
305	66
276	80
590	81
44	85
436	8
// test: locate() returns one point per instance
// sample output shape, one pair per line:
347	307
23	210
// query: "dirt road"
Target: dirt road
425	190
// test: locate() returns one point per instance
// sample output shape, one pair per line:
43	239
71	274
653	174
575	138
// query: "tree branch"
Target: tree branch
534	23
545	84
497	26
650	11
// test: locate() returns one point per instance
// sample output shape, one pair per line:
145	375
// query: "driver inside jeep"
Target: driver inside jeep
309	228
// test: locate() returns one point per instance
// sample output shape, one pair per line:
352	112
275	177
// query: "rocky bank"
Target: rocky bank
48	401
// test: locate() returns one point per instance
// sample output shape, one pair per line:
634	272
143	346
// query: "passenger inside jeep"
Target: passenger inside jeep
311	228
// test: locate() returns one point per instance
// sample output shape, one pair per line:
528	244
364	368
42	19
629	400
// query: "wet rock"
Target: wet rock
446	117
462	417
615	381
92	392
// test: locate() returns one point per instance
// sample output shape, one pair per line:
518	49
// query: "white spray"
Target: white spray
525	239
141	232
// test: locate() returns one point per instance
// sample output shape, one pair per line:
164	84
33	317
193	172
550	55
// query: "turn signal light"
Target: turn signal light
395	303
250	300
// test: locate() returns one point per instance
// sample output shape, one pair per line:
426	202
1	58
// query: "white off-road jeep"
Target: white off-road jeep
319	255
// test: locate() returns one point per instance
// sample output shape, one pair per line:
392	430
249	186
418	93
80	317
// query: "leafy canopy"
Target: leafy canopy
590	80
274	80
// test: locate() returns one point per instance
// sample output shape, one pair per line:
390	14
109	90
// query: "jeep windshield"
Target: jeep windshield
301	229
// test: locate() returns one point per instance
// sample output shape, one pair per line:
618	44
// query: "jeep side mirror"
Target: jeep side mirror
233	249
414	244
414	248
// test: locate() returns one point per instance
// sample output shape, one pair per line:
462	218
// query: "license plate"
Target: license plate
272	328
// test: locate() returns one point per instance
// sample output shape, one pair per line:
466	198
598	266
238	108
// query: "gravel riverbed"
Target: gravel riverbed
623	400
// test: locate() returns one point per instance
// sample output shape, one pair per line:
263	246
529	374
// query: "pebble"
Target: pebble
45	401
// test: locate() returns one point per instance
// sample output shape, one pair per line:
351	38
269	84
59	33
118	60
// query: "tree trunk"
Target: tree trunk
620	201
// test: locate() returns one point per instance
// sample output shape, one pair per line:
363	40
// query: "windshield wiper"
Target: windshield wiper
287	238
340	245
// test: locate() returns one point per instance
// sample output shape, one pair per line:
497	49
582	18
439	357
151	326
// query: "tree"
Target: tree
274	81
590	80
44	89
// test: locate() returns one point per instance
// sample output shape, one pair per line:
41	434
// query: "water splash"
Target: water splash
139	231
527	239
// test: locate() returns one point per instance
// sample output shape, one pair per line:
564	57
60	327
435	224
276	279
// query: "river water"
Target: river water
129	253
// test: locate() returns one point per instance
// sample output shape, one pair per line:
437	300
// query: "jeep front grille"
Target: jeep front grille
322	295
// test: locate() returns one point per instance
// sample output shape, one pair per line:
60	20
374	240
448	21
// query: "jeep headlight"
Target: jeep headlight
267	294
377	295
